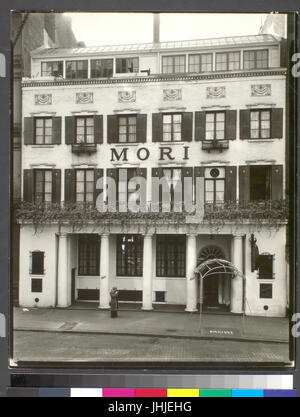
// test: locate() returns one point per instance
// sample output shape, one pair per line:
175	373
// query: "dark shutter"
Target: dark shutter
277	123
244	183
70	130
230	124
112	129
98	128
199	172
244	124
200	125
56	185
29	131
70	185
277	182
141	128
112	173
141	172
187	172
56	130
98	174
28	185
157	172
157	127
187	126
230	183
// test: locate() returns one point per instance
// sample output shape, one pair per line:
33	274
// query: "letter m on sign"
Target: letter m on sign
2	66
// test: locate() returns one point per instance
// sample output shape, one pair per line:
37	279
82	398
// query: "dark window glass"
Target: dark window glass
85	130
84	185
52	68
200	63
265	266
125	65
77	69
256	59
260	183
42	186
129	255
173	177
265	291
170	256
173	64
227	61
88	254
260	124
37	263
43	131
36	285
101	68
127	129
160	296
172	127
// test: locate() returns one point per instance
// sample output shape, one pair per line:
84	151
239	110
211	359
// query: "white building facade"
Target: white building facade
213	109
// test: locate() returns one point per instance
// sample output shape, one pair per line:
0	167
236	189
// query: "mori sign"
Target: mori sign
165	153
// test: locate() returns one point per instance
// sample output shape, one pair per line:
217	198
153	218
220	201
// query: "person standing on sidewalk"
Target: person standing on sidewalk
114	302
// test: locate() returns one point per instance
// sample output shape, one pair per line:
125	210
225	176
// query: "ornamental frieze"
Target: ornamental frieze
84	98
259	90
171	95
43	99
126	96
215	92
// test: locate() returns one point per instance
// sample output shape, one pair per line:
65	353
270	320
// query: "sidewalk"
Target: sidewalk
153	323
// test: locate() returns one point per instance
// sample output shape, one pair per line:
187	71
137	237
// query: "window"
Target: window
160	296
173	64
200	63
227	61
43	131
170	256
260	124
172	127
127	128
215	126
265	266
101	68
52	68
77	69
88	254
129	255
42	186
37	263
84	185
256	59
260	183
124	65
265	291
36	285
174	179
124	176
85	130
214	184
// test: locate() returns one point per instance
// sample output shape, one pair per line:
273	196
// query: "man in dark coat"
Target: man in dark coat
114	302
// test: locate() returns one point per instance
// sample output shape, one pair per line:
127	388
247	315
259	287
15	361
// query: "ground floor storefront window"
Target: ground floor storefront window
88	254
170	256
129	255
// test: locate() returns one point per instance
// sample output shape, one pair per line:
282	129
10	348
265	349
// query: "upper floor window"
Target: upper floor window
124	65
260	124
256	59
260	183
52	68
200	63
77	69
227	61
215	126
214	185
42	186
101	68
43	131
84	185
172	127
127	128
175	181
85	129
173	64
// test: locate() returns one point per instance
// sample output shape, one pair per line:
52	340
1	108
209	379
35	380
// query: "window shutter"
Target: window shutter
98	129
187	172
98	174
277	123
112	129
29	131
112	173
28	185
157	172
200	125
56	130
70	186
277	182
230	183
199	172
230	124
187	126
141	128
244	124
56	185
157	127
244	183
141	172
70	130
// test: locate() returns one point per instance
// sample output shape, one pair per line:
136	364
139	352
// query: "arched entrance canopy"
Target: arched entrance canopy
217	266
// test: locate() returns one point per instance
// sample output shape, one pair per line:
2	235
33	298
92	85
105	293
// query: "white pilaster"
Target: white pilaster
237	281
62	282
147	273
104	272
191	282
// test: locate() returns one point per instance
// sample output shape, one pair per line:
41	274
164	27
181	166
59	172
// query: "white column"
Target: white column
104	272
147	273
237	282
62	282
191	284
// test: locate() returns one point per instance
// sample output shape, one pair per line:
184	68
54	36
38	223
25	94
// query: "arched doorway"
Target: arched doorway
217	285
